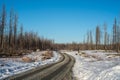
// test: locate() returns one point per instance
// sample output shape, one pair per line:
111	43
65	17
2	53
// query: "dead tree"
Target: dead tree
10	28
21	37
15	29
2	26
105	36
115	35
97	37
91	40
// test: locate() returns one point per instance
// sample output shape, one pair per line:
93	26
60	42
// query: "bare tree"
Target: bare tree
117	38
105	36
91	40
88	40
108	41
2	26
97	37
115	35
10	28
15	29
21	37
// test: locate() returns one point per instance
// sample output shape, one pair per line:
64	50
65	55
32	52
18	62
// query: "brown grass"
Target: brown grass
47	55
27	59
113	54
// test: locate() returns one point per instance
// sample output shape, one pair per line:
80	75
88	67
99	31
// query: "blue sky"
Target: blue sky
64	20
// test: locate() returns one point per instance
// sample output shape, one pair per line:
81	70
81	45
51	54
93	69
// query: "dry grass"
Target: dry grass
84	54
47	55
27	59
13	53
114	55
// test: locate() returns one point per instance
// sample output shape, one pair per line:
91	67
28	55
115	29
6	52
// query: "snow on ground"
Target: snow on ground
96	65
11	66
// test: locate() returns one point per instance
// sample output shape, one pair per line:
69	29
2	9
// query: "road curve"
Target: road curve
54	71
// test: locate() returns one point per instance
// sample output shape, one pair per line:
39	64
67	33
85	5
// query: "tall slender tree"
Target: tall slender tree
115	34
2	26
97	37
105	36
10	28
21	37
15	29
91	40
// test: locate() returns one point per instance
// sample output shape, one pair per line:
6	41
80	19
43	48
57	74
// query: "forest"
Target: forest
15	41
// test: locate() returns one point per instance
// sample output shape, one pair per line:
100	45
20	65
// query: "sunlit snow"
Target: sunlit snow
11	66
97	65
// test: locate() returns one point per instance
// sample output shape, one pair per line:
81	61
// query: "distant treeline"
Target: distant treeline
102	39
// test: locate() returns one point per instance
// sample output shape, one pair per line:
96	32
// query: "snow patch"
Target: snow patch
92	68
12	66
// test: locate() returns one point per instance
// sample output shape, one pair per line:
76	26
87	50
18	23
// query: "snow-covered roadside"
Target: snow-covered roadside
11	66
99	67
